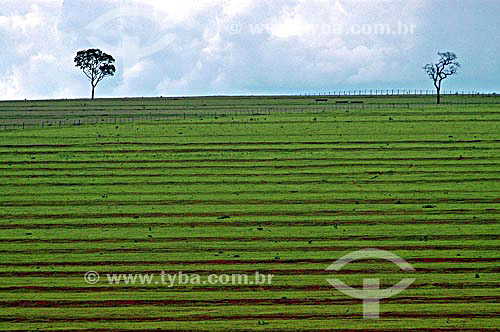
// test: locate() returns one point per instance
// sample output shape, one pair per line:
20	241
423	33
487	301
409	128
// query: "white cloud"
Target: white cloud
11	86
136	70
21	23
232	8
179	12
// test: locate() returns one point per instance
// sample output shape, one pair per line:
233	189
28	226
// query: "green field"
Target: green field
40	114
222	192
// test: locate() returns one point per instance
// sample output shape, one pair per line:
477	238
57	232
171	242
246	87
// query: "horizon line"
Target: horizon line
337	93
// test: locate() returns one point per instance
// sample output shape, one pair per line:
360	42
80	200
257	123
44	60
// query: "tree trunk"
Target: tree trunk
93	92
438	96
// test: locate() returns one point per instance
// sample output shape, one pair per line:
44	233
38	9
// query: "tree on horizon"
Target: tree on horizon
96	65
447	66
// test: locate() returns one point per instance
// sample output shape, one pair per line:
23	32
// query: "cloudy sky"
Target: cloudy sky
206	47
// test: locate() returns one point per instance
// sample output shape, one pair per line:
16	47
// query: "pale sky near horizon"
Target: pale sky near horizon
215	47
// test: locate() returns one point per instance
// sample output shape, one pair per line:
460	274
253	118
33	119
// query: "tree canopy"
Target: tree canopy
96	65
438	72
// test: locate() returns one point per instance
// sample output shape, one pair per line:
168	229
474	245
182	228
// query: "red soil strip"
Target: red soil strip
256	192
201	150
284	272
451	329
240	302
236	249
449	237
247	175
278	316
229	288
456	260
226	167
241	202
244	214
249	143
94	162
273	182
225	224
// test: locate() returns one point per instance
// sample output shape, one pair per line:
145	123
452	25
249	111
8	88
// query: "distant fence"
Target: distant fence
84	119
397	93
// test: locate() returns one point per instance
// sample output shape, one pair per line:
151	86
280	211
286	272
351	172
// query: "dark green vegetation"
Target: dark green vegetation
285	194
96	65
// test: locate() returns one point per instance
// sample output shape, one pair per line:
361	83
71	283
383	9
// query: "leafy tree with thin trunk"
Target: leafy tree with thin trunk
446	66
96	65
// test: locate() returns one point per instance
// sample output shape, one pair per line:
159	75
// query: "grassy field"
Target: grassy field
30	114
282	194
